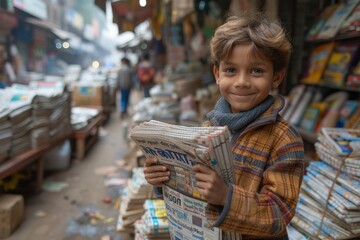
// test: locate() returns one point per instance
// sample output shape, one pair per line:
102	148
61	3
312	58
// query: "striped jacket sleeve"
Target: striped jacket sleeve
265	212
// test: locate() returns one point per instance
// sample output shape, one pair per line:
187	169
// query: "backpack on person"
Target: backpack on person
146	74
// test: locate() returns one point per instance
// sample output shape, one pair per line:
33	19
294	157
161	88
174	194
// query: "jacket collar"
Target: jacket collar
270	115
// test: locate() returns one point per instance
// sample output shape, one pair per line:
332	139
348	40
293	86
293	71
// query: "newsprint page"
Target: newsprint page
180	148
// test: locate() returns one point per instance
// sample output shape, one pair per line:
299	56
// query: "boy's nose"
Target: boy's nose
242	80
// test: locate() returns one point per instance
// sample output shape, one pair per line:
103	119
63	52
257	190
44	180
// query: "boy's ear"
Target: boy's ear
216	73
278	78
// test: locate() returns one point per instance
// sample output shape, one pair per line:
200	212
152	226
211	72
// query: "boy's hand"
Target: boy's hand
155	174
210	185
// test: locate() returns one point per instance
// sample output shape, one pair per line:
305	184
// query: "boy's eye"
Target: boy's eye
229	70
257	71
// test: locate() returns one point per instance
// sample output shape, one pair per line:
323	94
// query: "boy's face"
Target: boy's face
246	80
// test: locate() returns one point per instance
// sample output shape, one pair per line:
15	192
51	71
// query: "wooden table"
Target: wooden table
86	137
13	165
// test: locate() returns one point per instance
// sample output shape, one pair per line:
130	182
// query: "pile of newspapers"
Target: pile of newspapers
132	200
32	115
329	204
154	223
51	116
5	135
179	148
82	116
21	124
185	147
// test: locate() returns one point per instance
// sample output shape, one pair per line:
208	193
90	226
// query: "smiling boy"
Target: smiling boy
250	56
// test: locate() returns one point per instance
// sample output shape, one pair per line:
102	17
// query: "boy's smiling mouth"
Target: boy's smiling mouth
241	94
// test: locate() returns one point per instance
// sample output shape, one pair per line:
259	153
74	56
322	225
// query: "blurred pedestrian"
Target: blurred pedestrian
146	75
125	84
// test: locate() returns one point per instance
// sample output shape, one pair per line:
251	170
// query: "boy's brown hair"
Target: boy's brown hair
268	39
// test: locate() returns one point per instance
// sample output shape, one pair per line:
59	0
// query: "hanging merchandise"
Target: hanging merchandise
198	45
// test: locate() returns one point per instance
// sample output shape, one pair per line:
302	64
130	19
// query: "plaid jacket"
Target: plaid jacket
269	168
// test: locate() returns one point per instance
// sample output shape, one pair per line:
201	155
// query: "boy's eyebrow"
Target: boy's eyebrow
256	62
228	62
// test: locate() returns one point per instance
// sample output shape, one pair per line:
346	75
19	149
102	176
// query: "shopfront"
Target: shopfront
8	20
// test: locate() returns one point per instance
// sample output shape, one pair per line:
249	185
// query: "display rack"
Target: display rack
13	165
326	87
86	137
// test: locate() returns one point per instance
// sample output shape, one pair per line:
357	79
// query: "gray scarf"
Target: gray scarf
236	122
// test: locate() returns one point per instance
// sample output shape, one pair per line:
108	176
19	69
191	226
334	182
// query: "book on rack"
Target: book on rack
312	115
296	116
180	148
353	79
346	112
352	23
335	101
294	97
354	120
320	22
342	59
318	60
343	140
333	24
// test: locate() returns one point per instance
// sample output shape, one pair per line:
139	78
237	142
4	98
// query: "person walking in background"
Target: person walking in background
125	84
146	75
250	56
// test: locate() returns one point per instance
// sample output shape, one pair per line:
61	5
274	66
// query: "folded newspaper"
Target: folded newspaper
345	141
180	148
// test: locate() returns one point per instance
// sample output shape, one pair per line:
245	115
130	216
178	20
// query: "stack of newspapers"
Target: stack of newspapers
337	145
132	201
153	224
6	133
180	148
338	174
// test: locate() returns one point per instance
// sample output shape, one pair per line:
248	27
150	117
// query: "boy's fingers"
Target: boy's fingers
159	180
149	162
156	168
201	168
203	177
154	175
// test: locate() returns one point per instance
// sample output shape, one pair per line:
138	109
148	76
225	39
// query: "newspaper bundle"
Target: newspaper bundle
344	141
180	148
132	199
329	202
340	145
154	223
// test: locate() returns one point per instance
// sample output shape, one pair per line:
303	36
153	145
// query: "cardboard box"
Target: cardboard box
88	95
205	106
11	213
186	86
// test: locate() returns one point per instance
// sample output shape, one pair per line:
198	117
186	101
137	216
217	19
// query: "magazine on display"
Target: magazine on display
180	148
344	141
341	210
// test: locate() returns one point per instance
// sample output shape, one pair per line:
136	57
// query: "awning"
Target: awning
7	19
101	4
62	34
128	14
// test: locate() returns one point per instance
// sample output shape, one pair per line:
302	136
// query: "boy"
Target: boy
250	56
